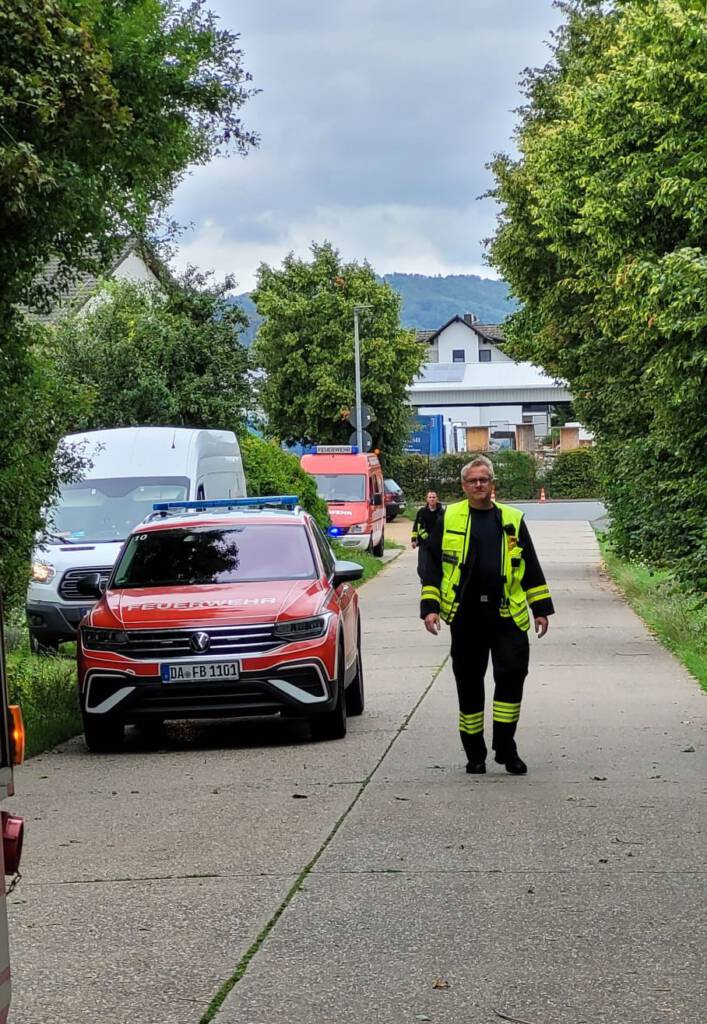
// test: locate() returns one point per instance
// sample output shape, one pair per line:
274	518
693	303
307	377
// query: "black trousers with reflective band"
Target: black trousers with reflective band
478	633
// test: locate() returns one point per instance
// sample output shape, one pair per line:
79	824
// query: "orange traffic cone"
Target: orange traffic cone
542	494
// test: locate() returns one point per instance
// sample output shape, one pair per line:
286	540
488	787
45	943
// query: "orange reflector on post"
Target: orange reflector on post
17	734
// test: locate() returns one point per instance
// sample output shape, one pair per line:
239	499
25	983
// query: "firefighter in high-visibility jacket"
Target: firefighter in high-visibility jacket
483	578
424	526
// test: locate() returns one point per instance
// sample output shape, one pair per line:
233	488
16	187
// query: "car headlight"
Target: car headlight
358	528
43	572
103	638
302	629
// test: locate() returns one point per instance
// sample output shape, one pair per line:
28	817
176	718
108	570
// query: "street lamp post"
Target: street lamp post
357	360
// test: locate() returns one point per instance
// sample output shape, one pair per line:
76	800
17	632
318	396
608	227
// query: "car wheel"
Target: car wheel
355	699
332	724
41	644
380	546
101	735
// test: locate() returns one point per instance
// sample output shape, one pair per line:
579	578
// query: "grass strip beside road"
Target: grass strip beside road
45	689
371	564
678	618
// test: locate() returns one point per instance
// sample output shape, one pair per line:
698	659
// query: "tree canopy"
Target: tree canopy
305	346
601	238
103	106
145	356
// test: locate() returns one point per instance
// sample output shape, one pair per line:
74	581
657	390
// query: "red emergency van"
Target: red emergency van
351	483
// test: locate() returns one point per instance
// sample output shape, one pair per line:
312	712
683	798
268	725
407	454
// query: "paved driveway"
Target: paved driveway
371	879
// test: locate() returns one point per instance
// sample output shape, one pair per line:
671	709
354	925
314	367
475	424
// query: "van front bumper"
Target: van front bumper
55	621
356	541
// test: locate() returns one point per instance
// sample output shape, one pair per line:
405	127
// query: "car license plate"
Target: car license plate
199	671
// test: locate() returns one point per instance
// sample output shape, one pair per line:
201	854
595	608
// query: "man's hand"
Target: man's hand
541	625
432	623
414	543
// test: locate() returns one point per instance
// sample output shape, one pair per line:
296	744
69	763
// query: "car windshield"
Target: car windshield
390	485
201	555
341	486
107	510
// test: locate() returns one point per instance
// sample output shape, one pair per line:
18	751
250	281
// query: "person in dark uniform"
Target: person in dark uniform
482	576
426	520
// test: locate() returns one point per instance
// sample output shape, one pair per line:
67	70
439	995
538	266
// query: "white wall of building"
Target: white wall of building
458	336
133	268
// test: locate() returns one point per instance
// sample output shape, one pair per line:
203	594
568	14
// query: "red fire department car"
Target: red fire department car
222	609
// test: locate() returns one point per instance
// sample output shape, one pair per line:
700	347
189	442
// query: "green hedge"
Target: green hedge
270	470
574	474
416	474
45	689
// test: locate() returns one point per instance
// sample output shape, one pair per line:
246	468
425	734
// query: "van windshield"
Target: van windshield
107	510
341	486
204	555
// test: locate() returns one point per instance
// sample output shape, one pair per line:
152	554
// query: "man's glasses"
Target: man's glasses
478	480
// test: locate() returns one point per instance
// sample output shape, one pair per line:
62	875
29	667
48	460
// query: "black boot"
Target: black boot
476	768
514	764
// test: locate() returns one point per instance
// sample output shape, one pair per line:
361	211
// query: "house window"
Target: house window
458	355
484	355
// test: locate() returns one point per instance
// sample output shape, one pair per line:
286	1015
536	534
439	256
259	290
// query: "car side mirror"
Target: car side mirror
90	585
346	572
377	499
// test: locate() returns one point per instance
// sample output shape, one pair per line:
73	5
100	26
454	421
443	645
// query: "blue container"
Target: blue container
427	436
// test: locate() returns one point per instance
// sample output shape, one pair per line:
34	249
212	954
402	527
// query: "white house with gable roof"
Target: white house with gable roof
469	380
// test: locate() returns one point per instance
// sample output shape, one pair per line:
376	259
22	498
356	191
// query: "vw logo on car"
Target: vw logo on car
199	642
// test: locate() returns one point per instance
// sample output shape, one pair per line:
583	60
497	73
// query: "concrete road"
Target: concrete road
371	879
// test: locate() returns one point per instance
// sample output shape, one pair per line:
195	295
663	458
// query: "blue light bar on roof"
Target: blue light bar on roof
272	501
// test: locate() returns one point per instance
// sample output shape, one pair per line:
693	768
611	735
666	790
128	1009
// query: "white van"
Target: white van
131	467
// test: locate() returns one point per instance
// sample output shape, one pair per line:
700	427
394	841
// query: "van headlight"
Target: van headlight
358	528
42	572
101	639
302	629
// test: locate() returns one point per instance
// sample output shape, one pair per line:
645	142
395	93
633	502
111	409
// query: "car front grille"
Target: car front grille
155	644
70	579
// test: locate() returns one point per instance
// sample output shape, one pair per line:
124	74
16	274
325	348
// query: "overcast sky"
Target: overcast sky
376	119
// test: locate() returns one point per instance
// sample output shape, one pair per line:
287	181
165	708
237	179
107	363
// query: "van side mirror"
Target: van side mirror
346	572
90	585
378	499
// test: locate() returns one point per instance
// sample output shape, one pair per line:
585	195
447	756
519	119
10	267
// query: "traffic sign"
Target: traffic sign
366	416
366	440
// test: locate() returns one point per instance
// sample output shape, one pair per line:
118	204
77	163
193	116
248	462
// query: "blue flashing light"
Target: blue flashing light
273	501
335	531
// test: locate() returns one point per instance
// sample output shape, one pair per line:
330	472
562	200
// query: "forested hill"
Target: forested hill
428	302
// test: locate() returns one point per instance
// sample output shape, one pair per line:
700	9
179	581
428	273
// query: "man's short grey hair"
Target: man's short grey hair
480	460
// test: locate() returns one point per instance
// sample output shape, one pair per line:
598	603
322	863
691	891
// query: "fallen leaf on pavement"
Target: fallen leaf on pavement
440	983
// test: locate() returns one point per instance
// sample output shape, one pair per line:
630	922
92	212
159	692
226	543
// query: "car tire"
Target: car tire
380	546
103	736
331	725
355	698
41	644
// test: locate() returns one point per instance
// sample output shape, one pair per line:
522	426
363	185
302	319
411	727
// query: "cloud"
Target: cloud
376	118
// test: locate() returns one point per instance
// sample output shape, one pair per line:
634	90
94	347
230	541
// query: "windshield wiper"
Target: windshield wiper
50	535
